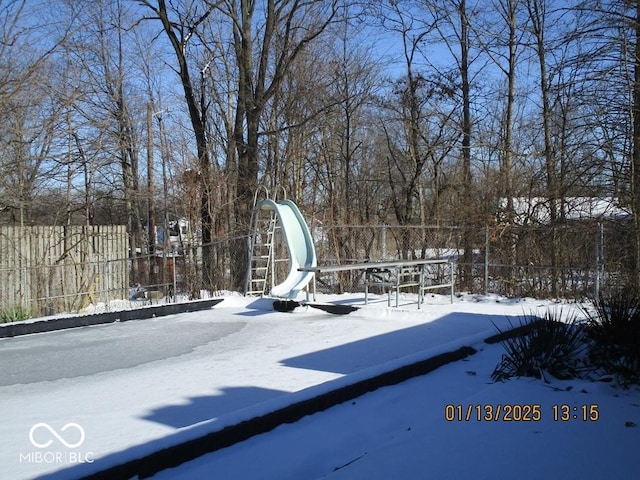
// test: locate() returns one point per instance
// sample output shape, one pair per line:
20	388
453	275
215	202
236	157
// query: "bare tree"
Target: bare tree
182	25
285	29
267	39
635	159
408	190
109	105
455	31
29	112
540	16
501	41
612	91
349	181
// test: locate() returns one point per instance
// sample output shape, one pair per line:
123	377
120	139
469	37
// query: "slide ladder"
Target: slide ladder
261	251
274	221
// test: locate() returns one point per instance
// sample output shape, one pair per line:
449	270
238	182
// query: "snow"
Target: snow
241	359
536	209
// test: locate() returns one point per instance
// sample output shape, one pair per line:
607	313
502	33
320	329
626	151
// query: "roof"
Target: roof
536	209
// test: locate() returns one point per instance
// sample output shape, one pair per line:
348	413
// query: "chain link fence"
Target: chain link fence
572	262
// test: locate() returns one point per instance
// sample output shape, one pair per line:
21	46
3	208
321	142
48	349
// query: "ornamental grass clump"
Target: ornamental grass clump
14	314
546	346
613	331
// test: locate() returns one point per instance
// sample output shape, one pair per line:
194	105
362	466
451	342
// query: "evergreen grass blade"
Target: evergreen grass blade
549	346
14	314
613	328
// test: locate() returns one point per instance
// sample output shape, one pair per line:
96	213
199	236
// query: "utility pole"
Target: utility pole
150	204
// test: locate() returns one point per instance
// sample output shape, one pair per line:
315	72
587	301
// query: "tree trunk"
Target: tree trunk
635	161
179	37
537	15
467	196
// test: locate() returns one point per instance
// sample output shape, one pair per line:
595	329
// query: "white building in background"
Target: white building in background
178	235
535	210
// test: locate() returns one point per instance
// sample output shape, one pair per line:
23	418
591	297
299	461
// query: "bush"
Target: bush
613	329
14	314
549	346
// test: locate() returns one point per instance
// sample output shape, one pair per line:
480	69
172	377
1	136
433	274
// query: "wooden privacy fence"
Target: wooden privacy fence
51	269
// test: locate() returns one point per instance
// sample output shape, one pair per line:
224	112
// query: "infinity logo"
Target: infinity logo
48	427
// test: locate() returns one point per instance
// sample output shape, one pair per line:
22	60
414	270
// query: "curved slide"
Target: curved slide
302	253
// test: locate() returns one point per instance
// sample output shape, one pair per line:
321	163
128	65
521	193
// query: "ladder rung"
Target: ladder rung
262	254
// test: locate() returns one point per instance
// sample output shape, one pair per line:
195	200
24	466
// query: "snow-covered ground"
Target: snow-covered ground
129	389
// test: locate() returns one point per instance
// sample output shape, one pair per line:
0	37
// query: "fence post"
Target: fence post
25	299
384	241
451	278
599	258
175	283
486	259
105	276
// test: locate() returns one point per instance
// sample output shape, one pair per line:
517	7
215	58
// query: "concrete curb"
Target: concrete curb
173	456
16	329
